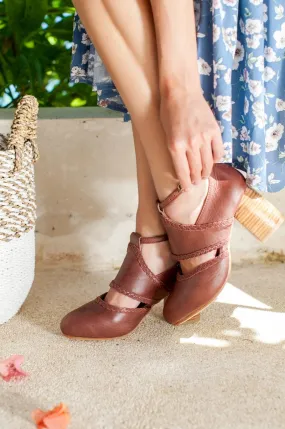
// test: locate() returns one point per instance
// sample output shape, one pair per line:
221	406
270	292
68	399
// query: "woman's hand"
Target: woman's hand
193	135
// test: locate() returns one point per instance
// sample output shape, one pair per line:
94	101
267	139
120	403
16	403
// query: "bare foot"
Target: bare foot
157	257
186	209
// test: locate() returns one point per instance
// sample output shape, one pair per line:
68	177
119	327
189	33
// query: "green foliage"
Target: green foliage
35	56
24	17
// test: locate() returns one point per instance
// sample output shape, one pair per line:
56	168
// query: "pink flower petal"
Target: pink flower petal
57	418
38	415
11	368
57	422
3	369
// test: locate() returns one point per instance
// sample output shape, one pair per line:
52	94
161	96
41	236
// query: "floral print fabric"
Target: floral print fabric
241	60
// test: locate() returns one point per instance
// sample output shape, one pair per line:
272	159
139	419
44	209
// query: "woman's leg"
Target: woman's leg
123	33
148	223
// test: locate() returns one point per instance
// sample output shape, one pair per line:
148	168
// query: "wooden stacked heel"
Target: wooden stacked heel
258	215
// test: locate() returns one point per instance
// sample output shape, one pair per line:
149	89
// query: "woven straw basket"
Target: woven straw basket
18	152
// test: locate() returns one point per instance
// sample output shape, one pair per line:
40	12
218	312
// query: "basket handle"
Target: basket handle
24	128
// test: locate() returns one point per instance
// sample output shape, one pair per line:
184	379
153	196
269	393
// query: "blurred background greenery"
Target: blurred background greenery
35	54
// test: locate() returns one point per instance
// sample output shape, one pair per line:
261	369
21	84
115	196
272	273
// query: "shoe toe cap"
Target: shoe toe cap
71	326
84	322
98	320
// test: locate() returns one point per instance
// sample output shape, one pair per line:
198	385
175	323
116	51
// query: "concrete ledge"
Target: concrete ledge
66	113
87	194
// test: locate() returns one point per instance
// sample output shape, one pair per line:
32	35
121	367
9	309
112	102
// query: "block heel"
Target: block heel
258	215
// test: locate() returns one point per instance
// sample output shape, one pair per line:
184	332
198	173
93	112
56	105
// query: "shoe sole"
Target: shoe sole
94	339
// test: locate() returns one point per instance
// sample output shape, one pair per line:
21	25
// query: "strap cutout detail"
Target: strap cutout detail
200	252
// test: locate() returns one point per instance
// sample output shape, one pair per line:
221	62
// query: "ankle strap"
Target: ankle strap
137	281
175	194
137	239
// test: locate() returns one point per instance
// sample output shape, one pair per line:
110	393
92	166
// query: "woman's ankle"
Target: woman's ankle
148	223
187	207
157	256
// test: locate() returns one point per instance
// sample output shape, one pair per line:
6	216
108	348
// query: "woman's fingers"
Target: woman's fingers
194	161
217	147
206	160
181	166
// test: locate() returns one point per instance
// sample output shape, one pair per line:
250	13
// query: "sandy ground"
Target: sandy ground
225	372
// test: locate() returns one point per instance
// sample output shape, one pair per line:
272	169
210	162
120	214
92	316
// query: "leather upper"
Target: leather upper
213	226
195	290
137	281
100	320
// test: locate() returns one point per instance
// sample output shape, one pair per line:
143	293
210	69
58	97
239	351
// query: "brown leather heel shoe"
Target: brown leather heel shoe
98	320
228	197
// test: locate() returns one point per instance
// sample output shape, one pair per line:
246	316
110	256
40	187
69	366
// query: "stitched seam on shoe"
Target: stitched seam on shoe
202	267
155	239
203	251
223	224
110	307
168	200
144	267
132	295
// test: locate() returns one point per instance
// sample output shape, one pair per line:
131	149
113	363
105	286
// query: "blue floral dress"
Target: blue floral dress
241	60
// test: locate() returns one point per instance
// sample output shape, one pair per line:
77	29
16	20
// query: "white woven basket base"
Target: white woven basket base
17	270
